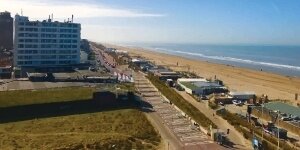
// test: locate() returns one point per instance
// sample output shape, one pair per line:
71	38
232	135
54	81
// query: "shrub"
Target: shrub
212	105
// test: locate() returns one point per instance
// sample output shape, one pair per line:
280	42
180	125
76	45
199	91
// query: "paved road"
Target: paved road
99	57
169	140
234	136
176	130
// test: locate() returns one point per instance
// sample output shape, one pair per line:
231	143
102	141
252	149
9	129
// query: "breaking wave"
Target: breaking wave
232	59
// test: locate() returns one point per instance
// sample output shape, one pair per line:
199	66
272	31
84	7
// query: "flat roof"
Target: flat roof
36	74
63	75
242	93
283	107
161	70
191	79
5	67
138	60
201	84
206	84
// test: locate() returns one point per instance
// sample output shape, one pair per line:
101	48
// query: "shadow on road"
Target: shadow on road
27	112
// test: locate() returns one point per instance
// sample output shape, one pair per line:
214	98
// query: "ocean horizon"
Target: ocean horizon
283	60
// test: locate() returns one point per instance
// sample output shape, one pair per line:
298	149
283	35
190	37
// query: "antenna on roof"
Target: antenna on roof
21	12
52	16
72	18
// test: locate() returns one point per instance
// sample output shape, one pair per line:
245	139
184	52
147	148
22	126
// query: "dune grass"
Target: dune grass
27	97
110	128
116	129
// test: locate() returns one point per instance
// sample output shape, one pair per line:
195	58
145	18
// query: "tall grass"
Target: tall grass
27	97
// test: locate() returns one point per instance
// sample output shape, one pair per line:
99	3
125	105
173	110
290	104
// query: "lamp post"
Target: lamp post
262	111
278	129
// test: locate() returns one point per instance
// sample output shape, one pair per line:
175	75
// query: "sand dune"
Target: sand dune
236	78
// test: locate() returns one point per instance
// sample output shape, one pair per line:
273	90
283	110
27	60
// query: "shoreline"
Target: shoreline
276	86
261	68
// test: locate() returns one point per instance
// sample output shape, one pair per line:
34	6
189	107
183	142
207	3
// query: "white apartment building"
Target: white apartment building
46	43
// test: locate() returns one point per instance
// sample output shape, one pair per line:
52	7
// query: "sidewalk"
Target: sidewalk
234	136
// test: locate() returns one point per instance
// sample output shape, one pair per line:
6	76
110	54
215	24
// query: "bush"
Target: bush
212	105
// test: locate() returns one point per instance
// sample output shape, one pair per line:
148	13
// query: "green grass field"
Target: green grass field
118	129
26	97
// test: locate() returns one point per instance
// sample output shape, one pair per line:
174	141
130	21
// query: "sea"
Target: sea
284	60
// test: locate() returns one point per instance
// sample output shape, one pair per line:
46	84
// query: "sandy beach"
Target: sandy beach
236	78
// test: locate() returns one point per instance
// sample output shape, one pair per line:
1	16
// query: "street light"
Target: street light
262	111
278	128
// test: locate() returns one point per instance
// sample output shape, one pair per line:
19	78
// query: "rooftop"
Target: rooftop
137	60
191	79
242	93
283	107
200	84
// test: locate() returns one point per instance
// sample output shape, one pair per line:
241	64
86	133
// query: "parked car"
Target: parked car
221	103
296	118
203	97
237	102
286	118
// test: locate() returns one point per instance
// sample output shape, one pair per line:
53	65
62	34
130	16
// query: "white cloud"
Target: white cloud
61	10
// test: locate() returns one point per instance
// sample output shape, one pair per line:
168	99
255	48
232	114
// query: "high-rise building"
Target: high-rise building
6	31
48	43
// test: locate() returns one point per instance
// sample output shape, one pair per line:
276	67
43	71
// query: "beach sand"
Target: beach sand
236	78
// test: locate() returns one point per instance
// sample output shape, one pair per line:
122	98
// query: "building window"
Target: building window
48	62
21	34
31	46
48	51
65	62
27	62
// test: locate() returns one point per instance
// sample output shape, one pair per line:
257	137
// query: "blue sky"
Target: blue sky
175	21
